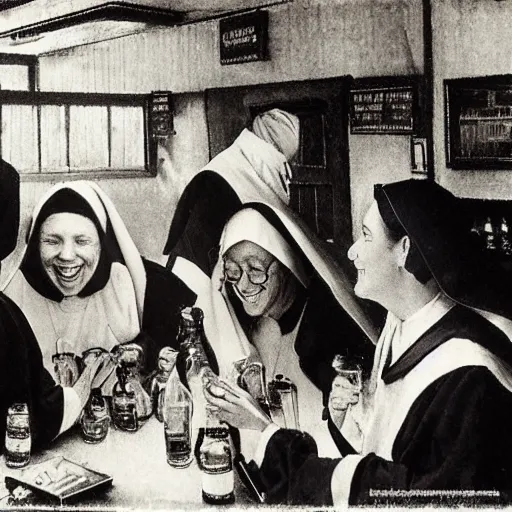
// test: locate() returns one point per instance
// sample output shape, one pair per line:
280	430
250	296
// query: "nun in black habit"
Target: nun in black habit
23	378
254	168
435	422
83	284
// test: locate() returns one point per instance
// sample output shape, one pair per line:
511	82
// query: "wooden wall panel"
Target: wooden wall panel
308	39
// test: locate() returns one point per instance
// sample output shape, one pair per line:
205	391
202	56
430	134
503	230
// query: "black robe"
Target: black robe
205	206
456	436
165	294
23	377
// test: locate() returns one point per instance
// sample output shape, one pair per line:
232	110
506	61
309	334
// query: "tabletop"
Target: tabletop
142	478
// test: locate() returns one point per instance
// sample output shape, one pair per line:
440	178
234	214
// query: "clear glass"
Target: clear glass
284	405
350	371
124	410
166	362
177	415
95	420
66	368
251	377
18	440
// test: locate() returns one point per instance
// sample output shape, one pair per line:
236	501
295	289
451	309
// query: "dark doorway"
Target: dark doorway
320	189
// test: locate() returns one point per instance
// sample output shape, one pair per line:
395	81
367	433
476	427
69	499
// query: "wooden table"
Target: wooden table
137	462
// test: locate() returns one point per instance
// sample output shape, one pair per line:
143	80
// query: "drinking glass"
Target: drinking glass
283	399
66	368
349	370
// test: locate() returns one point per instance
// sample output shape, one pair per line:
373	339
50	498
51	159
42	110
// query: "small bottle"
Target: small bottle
177	415
166	363
124	403
216	463
95	420
490	240
505	244
18	440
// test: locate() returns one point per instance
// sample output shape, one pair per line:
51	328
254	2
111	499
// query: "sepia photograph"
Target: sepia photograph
255	254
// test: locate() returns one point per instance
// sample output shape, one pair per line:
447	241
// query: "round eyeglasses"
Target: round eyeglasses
233	273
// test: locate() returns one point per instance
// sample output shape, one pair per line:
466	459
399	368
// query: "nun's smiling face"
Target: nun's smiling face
70	249
374	255
258	278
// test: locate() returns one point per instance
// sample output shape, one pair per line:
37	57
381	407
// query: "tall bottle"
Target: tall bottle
193	362
177	415
216	462
193	344
166	363
18	439
95	420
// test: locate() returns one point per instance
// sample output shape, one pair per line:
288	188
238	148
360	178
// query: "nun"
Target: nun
278	298
82	283
254	168
437	420
23	377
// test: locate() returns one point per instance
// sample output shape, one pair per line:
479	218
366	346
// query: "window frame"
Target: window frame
69	99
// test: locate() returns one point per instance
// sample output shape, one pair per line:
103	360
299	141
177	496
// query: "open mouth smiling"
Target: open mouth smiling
251	299
67	274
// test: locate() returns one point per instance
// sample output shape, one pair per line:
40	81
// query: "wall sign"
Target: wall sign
386	110
244	38
161	114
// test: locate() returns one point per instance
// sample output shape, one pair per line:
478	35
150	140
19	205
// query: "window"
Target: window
62	133
17	72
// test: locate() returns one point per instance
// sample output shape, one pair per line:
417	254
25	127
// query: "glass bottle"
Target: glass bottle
131	356
177	415
166	363
95	420
124	404
192	340
18	439
216	463
490	240
505	243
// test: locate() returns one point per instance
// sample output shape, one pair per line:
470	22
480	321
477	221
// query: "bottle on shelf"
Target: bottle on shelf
216	462
505	243
177	416
166	363
95	420
490	239
18	439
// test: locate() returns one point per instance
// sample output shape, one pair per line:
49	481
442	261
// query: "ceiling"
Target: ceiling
44	26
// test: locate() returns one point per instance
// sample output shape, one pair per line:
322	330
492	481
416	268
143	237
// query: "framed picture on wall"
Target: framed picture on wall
386	106
478	122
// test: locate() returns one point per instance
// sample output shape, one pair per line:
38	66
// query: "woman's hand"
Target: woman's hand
343	394
235	406
94	375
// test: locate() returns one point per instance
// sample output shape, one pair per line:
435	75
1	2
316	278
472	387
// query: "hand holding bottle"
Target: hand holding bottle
86	381
236	406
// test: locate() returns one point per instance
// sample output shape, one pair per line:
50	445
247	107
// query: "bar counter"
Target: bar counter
142	478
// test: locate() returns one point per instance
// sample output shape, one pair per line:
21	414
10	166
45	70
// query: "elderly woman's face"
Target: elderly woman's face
70	249
257	277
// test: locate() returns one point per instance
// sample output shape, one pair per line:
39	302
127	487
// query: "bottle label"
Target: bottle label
218	484
17	445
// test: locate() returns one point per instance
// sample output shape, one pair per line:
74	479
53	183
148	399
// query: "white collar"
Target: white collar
412	328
